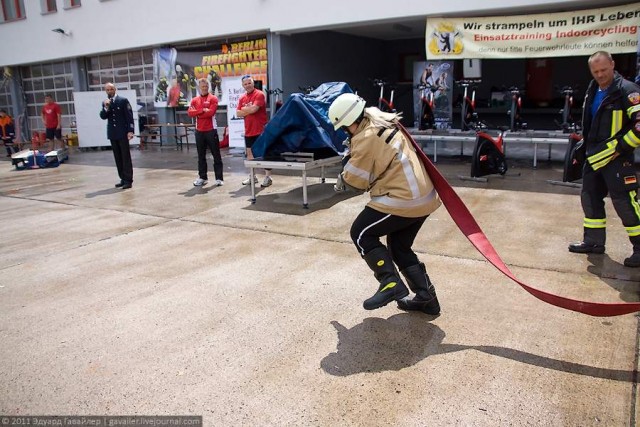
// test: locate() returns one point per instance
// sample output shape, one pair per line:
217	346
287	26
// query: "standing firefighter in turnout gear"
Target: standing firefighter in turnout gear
383	162
611	122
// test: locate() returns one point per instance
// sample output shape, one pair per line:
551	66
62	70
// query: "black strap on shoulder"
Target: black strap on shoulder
391	135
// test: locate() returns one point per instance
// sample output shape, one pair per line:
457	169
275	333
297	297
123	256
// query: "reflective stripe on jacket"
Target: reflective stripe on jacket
618	113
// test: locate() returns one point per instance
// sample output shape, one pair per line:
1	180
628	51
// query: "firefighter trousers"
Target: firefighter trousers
371	225
618	180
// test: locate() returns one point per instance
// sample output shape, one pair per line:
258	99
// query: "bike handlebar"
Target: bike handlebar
468	82
568	90
379	82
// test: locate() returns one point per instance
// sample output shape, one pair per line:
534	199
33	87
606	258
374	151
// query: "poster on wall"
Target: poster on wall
163	64
575	33
433	106
176	71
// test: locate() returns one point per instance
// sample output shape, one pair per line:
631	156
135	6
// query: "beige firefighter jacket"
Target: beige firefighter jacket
385	164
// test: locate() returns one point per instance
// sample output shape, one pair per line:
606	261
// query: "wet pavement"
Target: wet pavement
172	299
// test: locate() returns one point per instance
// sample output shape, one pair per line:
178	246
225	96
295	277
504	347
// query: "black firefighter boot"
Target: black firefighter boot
426	299
391	286
634	260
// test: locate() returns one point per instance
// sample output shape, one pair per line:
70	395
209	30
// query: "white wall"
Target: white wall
114	25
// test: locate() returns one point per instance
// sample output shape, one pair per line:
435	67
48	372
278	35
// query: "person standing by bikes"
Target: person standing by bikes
611	132
204	108
252	106
383	162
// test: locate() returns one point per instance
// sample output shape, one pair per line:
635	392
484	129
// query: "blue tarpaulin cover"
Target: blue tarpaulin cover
302	125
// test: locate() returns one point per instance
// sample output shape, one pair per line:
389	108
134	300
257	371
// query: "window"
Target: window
5	91
68	4
55	79
131	69
12	10
48	6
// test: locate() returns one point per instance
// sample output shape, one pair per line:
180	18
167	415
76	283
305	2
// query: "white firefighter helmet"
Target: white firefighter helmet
345	109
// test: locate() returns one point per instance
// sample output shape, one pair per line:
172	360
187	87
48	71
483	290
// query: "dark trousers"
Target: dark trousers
122	156
8	145
618	179
401	232
204	140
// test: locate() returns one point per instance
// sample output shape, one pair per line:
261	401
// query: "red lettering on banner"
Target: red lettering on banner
236	59
248	45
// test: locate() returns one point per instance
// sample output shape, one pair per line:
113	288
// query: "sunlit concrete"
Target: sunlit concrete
171	299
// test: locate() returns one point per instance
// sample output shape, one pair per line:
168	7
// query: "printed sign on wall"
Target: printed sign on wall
233	90
176	72
436	78
576	33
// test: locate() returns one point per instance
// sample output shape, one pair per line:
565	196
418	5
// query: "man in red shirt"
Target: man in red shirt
203	108
52	118
252	107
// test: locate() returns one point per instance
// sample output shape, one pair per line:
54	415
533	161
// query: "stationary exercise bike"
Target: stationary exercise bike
568	124
515	112
468	115
574	157
277	99
488	155
427	95
384	104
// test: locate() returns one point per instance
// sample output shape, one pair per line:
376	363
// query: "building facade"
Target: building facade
59	47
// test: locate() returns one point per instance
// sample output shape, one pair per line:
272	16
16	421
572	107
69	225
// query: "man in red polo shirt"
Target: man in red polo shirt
52	118
252	106
203	109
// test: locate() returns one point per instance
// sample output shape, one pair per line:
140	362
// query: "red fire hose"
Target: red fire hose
470	228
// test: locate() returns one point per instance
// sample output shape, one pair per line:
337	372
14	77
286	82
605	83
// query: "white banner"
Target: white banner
577	33
92	130
233	90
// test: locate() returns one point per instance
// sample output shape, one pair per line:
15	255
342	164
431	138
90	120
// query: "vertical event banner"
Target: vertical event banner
577	33
176	72
233	90
438	74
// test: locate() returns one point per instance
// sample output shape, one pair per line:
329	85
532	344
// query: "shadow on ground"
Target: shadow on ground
405	339
623	279
319	196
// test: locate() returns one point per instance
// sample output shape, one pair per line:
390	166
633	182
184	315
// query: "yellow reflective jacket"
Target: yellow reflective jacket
385	164
615	126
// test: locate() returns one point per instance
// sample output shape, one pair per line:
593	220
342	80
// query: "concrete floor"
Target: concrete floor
171	299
